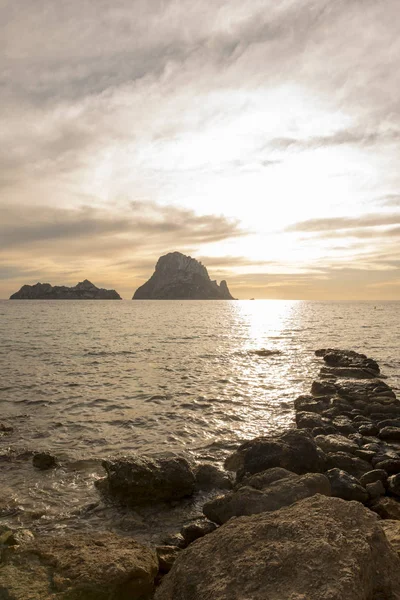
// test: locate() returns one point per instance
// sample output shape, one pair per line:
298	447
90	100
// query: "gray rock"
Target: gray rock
336	443
346	486
294	450
177	276
343	425
375	489
209	477
317	549
390	465
368	429
135	480
394	484
373	476
249	501
351	464
308	420
78	567
265	478
174	539
390	433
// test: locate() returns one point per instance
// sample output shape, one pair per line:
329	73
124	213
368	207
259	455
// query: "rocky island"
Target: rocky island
180	277
85	290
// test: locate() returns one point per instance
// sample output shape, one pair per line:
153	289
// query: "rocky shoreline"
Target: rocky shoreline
312	514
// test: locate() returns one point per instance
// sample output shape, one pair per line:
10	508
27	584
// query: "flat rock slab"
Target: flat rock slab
79	567
317	549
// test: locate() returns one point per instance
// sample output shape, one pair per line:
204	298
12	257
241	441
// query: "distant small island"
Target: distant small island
85	290
180	277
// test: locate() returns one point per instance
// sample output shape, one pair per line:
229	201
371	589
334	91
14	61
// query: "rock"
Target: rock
166	557
197	529
336	357
177	276
347	372
368	429
4	428
343	425
351	464
44	461
390	465
384	453
209	477
294	450
392	532
14	537
311	404
387	508
366	455
375	489
8	503
317	549
346	486
262	480
249	501
323	388
389	433
388	423
373	476
308	420
174	539
78	567
336	443
323	430
394	484
135	480
85	290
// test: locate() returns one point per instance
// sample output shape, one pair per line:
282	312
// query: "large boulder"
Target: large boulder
78	567
249	501
392	531
294	450
336	443
135	480
317	549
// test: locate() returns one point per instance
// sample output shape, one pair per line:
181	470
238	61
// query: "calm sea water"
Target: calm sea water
91	379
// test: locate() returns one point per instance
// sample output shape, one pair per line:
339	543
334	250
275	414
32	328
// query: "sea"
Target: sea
88	380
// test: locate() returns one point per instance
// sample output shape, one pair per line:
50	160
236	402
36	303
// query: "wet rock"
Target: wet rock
8	503
375	489
336	443
294	450
166	557
249	501
135	480
384	453
373	476
366	455
392	532
14	537
388	423
346	486
394	484
197	529
351	464
323	388
209	477
386	508
348	372
265	478
79	567
336	357
310	404
317	549
308	420
44	461
390	433
323	430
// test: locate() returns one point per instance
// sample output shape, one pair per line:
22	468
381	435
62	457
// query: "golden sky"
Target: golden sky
260	137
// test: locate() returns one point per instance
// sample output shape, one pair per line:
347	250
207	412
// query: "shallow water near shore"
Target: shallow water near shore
91	379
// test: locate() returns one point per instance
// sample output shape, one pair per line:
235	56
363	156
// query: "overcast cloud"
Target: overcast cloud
262	136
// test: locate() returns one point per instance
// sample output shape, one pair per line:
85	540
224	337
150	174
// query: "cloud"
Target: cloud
333	224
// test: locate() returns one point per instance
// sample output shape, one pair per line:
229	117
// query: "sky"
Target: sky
260	137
